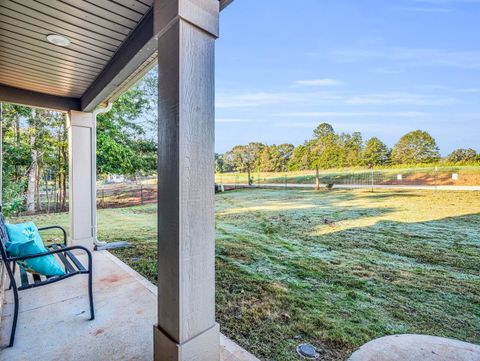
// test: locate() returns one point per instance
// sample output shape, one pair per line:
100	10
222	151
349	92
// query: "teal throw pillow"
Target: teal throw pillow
24	240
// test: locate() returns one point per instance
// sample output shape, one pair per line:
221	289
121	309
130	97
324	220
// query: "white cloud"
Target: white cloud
433	87
444	88
354	114
469	90
364	127
380	70
399	99
428	10
320	82
249	100
261	99
449	1
311	125
232	120
412	57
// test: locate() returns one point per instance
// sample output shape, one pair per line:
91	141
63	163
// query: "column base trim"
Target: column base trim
203	347
88	243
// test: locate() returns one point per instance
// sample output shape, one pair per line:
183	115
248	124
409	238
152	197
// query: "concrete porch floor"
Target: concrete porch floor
53	320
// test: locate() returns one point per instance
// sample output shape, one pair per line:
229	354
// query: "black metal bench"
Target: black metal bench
64	253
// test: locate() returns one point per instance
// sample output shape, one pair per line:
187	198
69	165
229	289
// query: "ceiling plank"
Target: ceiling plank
40	38
43	11
135	51
43	74
18	58
54	90
24	81
61	63
110	8
30	22
36	16
135	5
40	33
71	57
94	14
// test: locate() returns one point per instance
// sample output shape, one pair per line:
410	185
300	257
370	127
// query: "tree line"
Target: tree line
35	148
329	149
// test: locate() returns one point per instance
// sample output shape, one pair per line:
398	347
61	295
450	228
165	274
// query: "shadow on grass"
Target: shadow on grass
399	193
341	289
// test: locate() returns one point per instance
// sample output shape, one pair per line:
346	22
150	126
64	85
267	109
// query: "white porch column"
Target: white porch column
186	329
82	178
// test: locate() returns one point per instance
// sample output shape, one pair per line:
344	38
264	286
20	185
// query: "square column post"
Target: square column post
186	329
82	178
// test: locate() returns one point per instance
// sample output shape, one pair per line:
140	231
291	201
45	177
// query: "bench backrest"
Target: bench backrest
3	237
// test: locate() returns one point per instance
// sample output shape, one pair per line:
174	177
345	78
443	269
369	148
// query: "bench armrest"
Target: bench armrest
60	250
56	227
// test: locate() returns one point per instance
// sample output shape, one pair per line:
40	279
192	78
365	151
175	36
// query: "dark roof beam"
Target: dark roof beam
29	98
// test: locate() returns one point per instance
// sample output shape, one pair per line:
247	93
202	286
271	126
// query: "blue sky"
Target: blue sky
382	67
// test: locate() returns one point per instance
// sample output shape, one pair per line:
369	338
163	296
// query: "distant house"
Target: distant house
116	178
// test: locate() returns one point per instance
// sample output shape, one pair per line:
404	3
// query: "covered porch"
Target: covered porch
78	57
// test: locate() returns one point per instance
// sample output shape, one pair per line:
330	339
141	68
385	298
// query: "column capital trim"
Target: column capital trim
80	119
203	14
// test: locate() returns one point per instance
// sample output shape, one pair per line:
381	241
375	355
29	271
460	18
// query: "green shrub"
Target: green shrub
13	199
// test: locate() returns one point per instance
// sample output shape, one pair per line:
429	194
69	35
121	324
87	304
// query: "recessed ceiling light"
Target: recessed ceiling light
58	40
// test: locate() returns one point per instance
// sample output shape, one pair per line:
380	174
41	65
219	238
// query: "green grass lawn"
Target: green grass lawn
332	268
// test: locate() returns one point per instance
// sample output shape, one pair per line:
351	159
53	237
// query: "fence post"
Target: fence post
141	194
103	198
371	175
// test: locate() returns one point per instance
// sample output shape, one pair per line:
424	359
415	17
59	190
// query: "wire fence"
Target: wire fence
110	194
355	179
140	191
126	195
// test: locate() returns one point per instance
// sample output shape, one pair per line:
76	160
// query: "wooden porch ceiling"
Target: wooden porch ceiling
110	41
